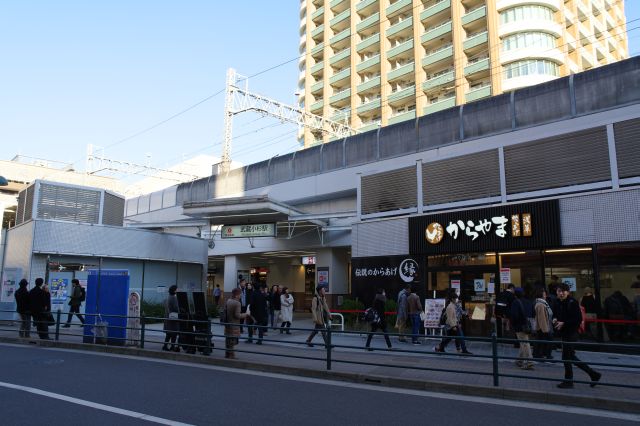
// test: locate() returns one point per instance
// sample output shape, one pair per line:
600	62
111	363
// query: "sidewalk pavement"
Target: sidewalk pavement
406	366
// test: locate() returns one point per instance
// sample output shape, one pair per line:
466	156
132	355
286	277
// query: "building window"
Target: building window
525	269
522	13
529	39
531	67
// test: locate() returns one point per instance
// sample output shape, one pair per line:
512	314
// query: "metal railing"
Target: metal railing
197	335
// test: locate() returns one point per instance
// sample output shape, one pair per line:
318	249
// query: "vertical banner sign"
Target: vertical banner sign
58	289
10	278
133	320
323	277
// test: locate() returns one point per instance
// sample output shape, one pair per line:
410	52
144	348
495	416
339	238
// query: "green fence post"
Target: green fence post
58	325
328	344
494	355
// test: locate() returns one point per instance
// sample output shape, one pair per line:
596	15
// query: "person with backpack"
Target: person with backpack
568	319
461	343
502	310
379	321
521	311
78	295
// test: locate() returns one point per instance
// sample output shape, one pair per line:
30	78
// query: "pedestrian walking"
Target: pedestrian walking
77	297
568	321
22	307
504	299
451	322
259	313
244	299
414	308
544	326
171	322
521	311
461	343
286	310
216	294
403	312
40	306
381	322
275	306
233	318
321	315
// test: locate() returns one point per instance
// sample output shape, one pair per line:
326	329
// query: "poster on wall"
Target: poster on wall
323	277
391	273
479	285
433	309
571	282
455	284
10	277
505	276
58	289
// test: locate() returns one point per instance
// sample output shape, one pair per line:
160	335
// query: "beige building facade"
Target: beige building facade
372	63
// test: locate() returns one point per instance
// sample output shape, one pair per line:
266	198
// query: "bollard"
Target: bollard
58	325
494	354
328	344
142	325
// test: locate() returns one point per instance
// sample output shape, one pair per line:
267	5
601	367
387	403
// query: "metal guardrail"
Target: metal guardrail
206	346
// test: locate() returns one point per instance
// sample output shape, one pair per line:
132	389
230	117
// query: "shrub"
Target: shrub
350	319
155	310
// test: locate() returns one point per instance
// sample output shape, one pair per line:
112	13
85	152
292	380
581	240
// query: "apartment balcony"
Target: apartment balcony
366	4
368	106
409	115
368	85
400	26
474	15
340	96
369	63
341	17
438	56
479	93
368	22
537	25
441	80
401	48
339	5
340	56
336	78
317	49
476	67
401	71
318	31
507	4
341	114
437	8
368	42
583	11
317	106
397	7
436	32
533	52
402	94
476	40
316	87
317	14
317	67
340	36
440	105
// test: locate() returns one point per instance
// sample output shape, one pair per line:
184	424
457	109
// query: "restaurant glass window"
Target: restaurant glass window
619	287
525	269
571	266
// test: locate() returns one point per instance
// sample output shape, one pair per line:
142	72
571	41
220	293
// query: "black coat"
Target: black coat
569	313
22	300
276	304
259	306
39	301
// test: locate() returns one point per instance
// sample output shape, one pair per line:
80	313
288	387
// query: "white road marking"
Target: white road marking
95	405
475	399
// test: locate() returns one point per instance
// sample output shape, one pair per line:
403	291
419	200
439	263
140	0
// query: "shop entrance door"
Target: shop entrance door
476	286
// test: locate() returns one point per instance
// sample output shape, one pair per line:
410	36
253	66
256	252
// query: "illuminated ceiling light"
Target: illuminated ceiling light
513	252
568	250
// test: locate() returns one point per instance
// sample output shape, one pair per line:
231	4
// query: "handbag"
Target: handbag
49	320
423	316
173	315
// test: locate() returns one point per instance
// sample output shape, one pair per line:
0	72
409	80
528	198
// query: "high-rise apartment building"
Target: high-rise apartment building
379	62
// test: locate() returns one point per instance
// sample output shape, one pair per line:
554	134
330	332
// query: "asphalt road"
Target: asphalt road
40	386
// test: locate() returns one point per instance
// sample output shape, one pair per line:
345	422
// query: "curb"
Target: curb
525	395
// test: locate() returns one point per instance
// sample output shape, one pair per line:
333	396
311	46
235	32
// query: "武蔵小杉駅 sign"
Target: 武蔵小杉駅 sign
252	230
510	227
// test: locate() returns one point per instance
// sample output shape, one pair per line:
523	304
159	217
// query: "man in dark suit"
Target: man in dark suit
23	308
259	312
39	304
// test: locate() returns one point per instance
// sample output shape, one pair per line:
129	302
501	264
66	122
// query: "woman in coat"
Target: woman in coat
171	322
544	325
286	309
452	324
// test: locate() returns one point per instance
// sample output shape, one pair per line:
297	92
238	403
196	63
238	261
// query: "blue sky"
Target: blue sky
97	72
